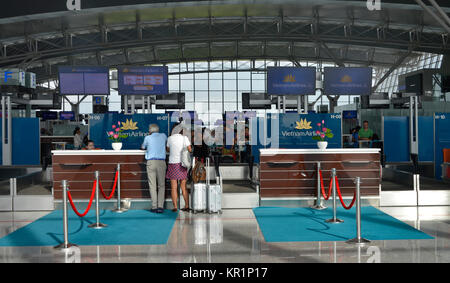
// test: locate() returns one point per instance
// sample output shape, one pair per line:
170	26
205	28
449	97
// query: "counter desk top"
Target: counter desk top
98	152
274	151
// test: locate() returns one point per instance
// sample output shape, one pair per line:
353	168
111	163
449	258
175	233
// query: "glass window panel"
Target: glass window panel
244	85
189	106
244	75
260	64
174	85
229	96
258	76
215	65
201	96
215	76
215	84
187	85
216	108
187	77
244	64
258	85
201	107
215	96
230	106
201	76
229	75
201	66
173	68
201	84
189	96
229	85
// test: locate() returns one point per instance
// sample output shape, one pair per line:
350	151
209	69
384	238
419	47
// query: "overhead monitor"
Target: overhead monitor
143	80
47	115
81	80
170	101
67	115
347	81
291	80
414	84
256	101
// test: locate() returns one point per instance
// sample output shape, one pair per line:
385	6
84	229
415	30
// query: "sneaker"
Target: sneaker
160	210
154	210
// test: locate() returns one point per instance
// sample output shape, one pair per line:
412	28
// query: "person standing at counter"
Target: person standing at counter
176	143
77	139
355	136
155	147
365	133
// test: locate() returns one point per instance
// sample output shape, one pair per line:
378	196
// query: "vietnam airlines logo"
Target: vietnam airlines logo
289	79
303	125
346	79
129	125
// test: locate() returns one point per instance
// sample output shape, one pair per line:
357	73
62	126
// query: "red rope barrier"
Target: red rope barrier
89	205
113	189
340	196
325	196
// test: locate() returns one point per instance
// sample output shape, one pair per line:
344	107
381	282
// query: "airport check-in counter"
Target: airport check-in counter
78	167
291	173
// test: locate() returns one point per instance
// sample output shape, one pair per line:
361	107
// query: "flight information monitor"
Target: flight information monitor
347	81
291	81
74	80
67	115
143	80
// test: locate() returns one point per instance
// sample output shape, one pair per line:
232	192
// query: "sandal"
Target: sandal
175	209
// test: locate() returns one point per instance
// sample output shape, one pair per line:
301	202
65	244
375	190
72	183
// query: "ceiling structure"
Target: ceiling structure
344	32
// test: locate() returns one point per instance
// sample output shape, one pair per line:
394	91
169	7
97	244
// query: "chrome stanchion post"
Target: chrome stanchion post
97	225
66	244
119	208
358	239
318	205
334	219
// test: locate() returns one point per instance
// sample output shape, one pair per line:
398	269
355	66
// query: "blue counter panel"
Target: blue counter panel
136	127
26	141
442	140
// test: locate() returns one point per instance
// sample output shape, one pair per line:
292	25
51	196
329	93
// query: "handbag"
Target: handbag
199	173
186	158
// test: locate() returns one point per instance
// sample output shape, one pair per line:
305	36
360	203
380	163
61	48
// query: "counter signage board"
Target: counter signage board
143	80
298	130
134	126
347	81
291	81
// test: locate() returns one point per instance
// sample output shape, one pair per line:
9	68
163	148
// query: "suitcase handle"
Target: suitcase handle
207	171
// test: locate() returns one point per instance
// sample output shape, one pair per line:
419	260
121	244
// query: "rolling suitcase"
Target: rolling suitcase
199	198
198	194
214	192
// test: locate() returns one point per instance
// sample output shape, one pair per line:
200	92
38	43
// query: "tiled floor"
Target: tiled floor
234	236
